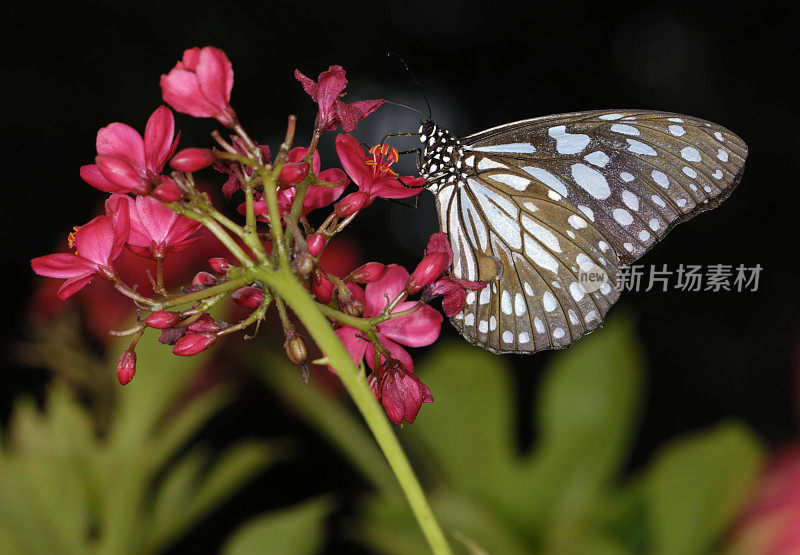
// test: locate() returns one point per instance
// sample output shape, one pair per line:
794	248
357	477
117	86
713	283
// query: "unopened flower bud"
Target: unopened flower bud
295	349
322	287
168	191
427	271
292	173
352	307
192	159
193	343
203	324
369	272
351	204
248	297
204	279
162	319
119	172
316	243
219	265
126	367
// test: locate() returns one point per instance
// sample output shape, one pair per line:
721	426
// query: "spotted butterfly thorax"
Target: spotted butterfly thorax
535	206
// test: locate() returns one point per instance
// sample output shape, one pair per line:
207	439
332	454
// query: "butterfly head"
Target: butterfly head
441	154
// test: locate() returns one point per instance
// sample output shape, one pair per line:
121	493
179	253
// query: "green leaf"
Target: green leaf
299	530
331	417
696	486
467	432
587	410
160	379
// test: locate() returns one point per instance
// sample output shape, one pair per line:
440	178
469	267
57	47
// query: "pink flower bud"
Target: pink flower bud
322	287
120	173
204	279
219	265
292	173
192	159
126	367
430	268
316	243
351	204
203	324
168	191
248	297
162	319
193	343
369	272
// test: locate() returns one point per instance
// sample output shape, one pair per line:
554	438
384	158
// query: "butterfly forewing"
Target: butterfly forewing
531	207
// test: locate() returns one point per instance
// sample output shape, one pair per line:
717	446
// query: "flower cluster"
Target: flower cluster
372	310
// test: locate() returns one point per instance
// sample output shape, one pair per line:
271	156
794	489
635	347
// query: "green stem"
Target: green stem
285	285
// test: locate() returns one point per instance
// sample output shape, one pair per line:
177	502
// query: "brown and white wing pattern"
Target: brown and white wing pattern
536	206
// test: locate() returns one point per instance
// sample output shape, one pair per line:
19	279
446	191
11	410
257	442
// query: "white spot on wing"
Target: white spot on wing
591	181
547	178
625	129
691	154
524	148
549	301
568	143
638	147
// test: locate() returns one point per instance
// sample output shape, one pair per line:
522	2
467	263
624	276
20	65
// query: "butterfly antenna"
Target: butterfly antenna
407	106
414	77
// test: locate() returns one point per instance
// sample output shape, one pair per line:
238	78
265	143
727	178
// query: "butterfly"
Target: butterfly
546	210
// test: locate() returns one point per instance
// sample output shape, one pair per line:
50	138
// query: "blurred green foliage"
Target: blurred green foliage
134	487
569	493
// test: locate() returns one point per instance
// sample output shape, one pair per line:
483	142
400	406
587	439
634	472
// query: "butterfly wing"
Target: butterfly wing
544	203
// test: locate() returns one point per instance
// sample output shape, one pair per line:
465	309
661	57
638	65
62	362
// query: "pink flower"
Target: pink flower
770	524
453	290
401	392
373	174
200	85
417	329
316	196
155	230
97	244
128	163
326	92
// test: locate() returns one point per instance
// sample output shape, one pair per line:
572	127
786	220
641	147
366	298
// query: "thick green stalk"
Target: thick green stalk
285	285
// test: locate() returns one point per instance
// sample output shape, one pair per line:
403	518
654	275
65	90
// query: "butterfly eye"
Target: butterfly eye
427	128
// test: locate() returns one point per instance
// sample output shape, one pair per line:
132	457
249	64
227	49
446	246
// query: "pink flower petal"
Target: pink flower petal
396	351
73	285
355	345
119	139
418	329
309	85
92	175
353	160
97	241
391	283
180	89
391	187
62	265
158	138
297	153
215	76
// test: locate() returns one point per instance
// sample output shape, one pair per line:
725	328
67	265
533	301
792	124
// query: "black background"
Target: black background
69	70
